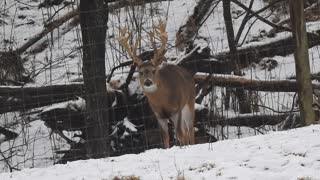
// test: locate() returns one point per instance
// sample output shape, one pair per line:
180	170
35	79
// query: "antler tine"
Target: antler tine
131	49
151	37
163	36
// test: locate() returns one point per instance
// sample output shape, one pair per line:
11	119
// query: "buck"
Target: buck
170	89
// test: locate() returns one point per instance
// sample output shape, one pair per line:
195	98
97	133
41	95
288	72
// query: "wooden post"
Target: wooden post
302	61
93	21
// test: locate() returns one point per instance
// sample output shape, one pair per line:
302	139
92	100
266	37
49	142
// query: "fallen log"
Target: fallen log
19	91
19	98
8	135
250	120
250	84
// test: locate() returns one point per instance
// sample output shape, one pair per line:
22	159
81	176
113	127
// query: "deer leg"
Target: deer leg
180	129
187	118
191	125
176	119
191	132
165	131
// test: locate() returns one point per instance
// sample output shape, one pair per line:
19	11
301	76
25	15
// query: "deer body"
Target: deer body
172	99
170	89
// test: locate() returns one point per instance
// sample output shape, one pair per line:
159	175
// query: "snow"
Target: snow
226	160
282	155
78	104
129	125
2	138
198	107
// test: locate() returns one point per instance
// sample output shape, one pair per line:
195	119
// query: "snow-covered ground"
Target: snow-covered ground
35	148
283	155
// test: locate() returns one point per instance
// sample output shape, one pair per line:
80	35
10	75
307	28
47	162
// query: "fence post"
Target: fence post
301	57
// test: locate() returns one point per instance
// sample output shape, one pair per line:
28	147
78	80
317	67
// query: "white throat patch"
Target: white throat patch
150	89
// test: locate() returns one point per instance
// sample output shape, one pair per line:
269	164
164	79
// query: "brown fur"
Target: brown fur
175	89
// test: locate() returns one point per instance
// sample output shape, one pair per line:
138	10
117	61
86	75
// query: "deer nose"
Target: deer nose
147	82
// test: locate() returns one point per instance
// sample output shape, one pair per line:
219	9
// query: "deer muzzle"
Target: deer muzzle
149	86
147	83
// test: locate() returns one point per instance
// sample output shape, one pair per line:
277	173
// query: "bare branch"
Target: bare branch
259	17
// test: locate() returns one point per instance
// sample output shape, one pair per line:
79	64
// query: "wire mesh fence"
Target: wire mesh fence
42	95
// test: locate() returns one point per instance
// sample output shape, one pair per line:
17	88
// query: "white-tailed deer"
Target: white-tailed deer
170	89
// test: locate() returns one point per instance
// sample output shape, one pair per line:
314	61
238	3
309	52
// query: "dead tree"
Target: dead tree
93	21
244	105
301	57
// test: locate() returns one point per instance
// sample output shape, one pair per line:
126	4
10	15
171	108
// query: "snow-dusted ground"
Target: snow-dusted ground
285	155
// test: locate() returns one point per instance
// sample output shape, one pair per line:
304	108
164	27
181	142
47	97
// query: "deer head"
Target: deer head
147	70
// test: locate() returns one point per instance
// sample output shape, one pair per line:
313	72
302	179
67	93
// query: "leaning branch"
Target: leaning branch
48	28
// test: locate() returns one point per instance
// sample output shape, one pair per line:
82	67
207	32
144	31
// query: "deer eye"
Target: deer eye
154	71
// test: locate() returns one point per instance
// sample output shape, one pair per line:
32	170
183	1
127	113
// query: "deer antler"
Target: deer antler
131	49
163	36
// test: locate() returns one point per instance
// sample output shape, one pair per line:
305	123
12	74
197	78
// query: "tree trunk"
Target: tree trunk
244	105
301	57
93	21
